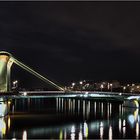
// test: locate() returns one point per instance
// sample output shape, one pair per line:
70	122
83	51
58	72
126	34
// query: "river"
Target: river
69	118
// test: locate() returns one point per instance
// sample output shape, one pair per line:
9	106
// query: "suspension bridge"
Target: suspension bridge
6	62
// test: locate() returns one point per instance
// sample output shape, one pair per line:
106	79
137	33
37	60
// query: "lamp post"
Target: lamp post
81	82
81	85
111	87
73	84
108	86
15	84
124	88
102	86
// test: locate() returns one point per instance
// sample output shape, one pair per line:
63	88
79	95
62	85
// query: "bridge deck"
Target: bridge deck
70	94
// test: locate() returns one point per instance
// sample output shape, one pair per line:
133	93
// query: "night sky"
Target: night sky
71	41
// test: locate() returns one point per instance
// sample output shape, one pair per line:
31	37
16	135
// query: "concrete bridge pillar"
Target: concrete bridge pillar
5	70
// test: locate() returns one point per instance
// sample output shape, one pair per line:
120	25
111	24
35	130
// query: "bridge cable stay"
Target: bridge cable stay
20	64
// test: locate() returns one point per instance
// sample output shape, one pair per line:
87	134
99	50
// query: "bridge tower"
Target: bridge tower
5	71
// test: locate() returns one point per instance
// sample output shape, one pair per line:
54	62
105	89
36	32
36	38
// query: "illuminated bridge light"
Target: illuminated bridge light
25	93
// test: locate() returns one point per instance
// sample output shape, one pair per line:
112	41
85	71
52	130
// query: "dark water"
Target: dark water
63	118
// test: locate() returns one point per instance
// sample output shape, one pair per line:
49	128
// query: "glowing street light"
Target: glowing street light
73	84
25	93
102	86
15	84
81	82
108	86
111	87
133	84
124	88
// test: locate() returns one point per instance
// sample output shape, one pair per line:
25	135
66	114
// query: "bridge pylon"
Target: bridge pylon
6	62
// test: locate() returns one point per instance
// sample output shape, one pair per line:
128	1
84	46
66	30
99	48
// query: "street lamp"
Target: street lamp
73	84
133	84
15	84
111	87
102	86
124	88
108	86
81	82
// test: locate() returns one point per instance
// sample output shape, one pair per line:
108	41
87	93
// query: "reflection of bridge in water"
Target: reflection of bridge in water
90	119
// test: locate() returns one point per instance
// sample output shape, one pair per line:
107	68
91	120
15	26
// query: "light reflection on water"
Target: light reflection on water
64	118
